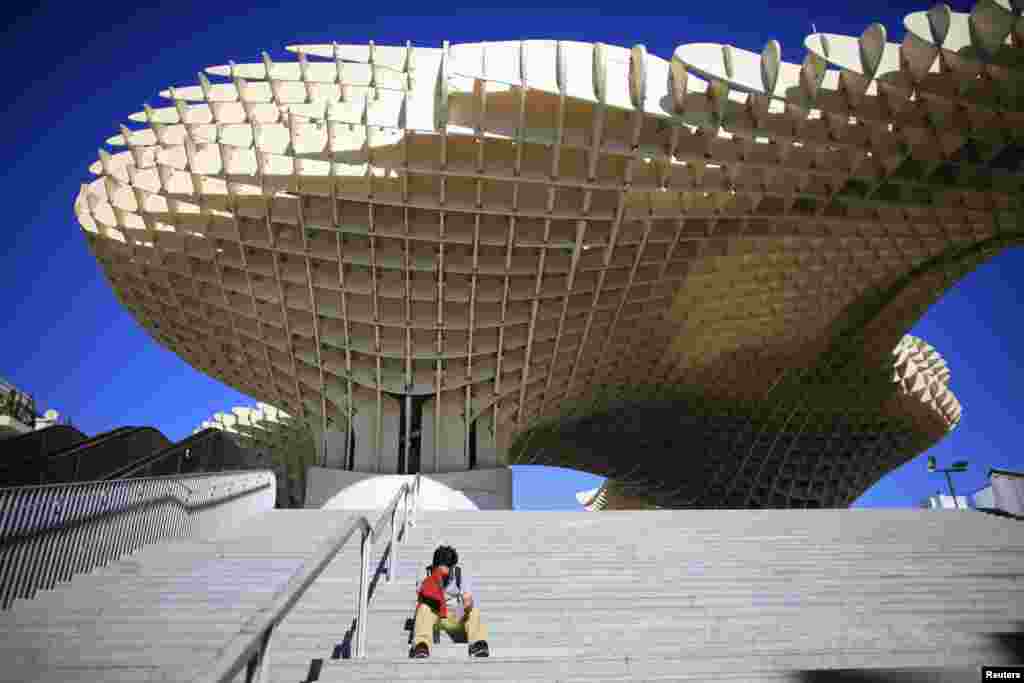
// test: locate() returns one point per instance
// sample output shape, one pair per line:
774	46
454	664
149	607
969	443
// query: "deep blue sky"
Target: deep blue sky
74	71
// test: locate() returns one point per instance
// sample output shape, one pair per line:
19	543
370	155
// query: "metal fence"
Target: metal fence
50	533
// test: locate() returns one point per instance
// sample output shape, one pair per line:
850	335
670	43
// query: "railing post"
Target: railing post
415	502
49	554
93	528
119	531
364	589
392	549
70	548
258	668
137	518
102	538
405	514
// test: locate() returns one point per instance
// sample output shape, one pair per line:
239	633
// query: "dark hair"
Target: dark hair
445	555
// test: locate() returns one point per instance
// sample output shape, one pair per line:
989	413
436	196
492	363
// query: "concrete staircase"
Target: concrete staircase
700	595
661	595
169	607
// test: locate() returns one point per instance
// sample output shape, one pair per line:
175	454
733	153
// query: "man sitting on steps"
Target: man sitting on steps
432	603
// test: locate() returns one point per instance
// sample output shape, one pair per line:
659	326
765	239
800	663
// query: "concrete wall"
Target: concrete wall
391	411
335	443
364	422
221	520
489	489
1008	492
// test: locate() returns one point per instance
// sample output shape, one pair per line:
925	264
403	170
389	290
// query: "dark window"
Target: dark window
351	448
472	444
401	435
415	443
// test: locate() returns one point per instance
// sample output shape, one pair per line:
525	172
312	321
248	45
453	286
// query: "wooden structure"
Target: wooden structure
530	249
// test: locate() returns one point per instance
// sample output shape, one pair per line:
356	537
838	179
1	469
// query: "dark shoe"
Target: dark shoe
421	651
479	649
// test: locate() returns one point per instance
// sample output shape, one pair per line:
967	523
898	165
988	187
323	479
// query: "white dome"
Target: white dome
376	492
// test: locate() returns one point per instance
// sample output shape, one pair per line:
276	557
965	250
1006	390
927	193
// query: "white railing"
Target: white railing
52	532
250	649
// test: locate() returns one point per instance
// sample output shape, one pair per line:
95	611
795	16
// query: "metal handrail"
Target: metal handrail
251	647
74	448
132	469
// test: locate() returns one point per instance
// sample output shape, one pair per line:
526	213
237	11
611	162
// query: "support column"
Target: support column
330	447
365	424
335	455
486	446
296	490
407	432
427	438
390	432
452	456
318	443
368	458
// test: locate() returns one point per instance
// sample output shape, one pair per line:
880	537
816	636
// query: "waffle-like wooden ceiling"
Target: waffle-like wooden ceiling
510	226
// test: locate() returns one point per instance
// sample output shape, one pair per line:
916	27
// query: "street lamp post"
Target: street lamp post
958	466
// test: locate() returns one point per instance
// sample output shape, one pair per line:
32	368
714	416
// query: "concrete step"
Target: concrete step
97	594
390	641
707	605
943	536
111	673
612	563
580	611
512	568
23	660
189	634
267	563
781	667
140	618
803	548
505	541
583	580
213	579
878	526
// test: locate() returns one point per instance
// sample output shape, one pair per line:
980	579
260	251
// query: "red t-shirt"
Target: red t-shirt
431	593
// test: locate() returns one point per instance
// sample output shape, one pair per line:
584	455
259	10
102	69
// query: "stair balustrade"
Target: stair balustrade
52	532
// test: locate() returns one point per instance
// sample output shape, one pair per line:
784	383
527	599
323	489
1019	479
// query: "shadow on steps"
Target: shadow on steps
886	676
1009	645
